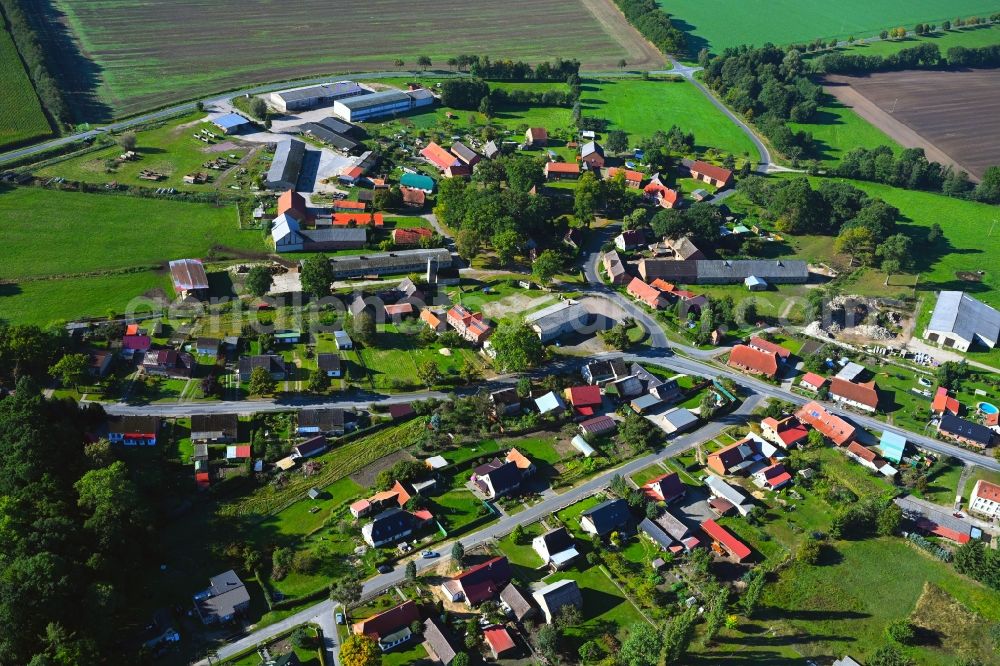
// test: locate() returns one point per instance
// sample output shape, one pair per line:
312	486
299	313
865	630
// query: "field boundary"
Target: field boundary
840	88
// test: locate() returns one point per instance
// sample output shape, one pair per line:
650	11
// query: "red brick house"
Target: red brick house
711	174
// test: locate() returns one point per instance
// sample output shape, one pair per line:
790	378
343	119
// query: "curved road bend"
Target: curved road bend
504	526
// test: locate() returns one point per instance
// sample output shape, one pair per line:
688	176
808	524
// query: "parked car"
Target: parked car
384	569
340	618
430	554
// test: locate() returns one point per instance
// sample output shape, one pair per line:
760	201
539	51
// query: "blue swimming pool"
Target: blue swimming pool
987	408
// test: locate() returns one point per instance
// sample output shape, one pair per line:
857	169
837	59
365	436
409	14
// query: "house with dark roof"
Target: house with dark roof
224	599
630	239
274	364
311	447
167	363
607	517
214	427
440	643
556	548
517	605
664	488
207	346
392	525
558	319
599	426
677	531
327	421
329	364
965	432
480	583
497	478
390	628
283	173
506	402
754	361
556	596
133	430
465	154
615	268
603	371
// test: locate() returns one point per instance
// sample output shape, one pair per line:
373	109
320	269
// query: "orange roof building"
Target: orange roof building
558	170
711	174
768	346
754	361
357	219
438	156
410	236
292	201
834	428
632	178
944	403
862	396
651	296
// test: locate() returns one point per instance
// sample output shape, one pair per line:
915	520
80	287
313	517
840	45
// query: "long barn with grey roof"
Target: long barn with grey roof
384	263
384	103
959	321
286	165
725	271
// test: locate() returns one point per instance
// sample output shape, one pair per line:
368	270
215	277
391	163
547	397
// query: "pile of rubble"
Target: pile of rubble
873	332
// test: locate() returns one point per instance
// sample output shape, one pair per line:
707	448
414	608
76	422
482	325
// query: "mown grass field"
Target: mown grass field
169	149
643	107
189	48
23	119
785	21
968	37
48	232
837	130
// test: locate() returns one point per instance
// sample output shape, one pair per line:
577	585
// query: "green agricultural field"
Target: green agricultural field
23	119
191	49
169	149
643	107
732	23
49	232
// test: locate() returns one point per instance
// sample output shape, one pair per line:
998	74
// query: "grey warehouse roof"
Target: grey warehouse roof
287	161
374	99
957	312
326	90
386	261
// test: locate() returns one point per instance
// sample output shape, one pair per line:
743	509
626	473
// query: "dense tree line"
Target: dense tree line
976	560
769	86
517	70
33	55
28	351
653	24
983	56
915	57
469	94
911	170
69	517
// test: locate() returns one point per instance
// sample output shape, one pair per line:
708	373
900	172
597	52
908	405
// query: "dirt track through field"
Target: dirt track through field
954	116
641	52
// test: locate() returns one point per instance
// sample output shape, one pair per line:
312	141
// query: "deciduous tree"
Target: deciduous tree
360	650
517	347
316	275
258	281
71	369
261	382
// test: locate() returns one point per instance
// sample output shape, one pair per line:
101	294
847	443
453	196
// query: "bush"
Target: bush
901	631
808	552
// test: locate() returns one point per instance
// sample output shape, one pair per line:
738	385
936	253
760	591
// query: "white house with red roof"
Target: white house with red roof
787	432
812	382
772	477
985	499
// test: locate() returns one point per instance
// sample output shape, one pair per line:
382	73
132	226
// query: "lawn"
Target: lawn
169	149
646	474
394	360
570	516
837	130
786	21
943	484
23	119
204	51
70	232
603	604
643	107
843	605
43	302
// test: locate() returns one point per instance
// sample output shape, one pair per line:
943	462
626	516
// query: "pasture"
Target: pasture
837	130
23	119
188	49
973	37
50	232
732	23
